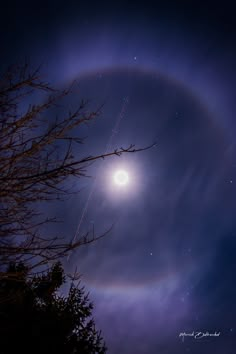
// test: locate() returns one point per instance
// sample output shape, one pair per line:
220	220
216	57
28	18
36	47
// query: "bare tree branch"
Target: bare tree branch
36	159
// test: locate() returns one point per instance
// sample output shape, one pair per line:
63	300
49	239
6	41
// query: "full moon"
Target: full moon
121	177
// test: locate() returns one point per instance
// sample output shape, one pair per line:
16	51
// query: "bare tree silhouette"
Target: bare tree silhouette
33	169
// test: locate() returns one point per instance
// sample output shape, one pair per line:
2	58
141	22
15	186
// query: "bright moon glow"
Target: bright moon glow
121	177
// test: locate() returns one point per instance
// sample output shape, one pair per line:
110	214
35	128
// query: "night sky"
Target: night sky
165	74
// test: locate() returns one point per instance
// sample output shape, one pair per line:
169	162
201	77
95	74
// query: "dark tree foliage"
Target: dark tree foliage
34	318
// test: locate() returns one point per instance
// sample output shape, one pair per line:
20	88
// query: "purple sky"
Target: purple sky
166	74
